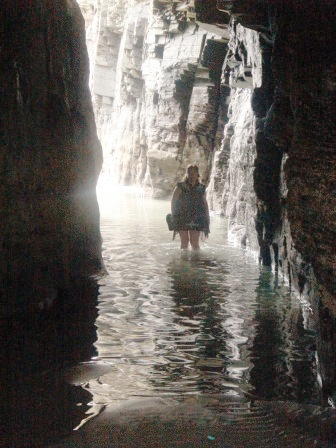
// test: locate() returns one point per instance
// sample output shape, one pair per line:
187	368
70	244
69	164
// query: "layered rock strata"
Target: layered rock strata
50	154
163	110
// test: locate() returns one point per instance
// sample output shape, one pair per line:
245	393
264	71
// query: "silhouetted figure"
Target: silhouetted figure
190	211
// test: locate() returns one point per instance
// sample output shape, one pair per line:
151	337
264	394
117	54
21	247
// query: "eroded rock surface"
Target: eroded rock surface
50	154
160	110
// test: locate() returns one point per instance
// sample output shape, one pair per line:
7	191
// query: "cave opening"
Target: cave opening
100	307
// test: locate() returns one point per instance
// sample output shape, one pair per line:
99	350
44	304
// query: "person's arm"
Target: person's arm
175	197
206	208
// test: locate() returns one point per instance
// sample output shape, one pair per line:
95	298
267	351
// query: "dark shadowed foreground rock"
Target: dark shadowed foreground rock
50	156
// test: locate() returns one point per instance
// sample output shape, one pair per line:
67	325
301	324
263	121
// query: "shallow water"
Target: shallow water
183	322
160	323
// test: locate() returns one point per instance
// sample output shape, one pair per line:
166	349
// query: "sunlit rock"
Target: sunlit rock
232	179
163	111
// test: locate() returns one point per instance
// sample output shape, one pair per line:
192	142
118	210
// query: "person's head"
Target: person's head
192	173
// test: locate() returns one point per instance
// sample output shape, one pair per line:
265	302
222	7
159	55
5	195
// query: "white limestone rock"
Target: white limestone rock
150	92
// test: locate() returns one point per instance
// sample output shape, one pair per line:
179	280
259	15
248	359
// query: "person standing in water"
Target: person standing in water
190	210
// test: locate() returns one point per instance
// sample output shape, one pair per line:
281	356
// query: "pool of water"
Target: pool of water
160	323
189	322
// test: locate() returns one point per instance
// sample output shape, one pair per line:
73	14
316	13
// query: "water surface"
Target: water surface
162	324
183	322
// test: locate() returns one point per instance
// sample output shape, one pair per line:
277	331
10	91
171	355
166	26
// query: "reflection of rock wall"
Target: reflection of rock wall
36	352
50	155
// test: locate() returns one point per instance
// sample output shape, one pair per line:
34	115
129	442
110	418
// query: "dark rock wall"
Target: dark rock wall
50	156
294	109
303	122
295	163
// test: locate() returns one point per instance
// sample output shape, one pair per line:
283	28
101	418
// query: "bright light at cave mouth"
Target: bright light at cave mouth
109	193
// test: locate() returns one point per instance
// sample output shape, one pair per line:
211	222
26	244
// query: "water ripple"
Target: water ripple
186	323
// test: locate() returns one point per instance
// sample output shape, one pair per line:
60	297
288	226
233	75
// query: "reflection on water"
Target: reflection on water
165	323
283	350
37	405
180	322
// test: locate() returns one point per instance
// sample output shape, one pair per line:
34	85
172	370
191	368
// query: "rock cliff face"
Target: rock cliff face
50	155
244	89
157	93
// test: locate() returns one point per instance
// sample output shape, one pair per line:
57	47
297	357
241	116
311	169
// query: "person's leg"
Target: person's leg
194	239
184	239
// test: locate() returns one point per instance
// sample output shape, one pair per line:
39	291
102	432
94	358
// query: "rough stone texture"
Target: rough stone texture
295	164
50	156
294	115
232	186
163	111
310	127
